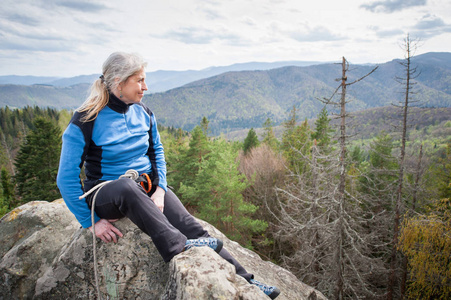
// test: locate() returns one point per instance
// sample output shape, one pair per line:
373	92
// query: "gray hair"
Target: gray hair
118	68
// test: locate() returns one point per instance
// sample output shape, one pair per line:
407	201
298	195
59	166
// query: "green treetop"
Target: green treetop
250	141
37	163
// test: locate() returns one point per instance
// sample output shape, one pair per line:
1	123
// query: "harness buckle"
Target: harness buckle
145	181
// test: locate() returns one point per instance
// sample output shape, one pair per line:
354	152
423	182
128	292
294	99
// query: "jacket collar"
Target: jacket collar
117	105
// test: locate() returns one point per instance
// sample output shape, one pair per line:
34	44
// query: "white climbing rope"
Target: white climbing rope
132	174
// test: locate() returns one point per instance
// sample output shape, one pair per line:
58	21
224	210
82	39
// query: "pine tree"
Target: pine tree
250	141
296	140
218	188
37	163
204	125
7	200
4	208
7	186
185	166
379	173
322	131
442	174
269	138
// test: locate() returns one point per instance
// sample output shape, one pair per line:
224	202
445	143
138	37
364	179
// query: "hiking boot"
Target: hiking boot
213	243
270	291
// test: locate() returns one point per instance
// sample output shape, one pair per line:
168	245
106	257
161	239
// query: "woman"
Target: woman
111	133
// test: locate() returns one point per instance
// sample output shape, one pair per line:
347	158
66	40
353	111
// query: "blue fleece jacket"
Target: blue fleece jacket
122	137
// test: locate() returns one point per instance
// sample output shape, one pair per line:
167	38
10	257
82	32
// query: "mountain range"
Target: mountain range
244	95
157	81
239	100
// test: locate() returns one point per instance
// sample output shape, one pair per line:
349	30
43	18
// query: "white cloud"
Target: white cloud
200	35
429	26
80	5
315	34
389	6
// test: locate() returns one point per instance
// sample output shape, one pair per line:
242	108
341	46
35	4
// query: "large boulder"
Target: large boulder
45	254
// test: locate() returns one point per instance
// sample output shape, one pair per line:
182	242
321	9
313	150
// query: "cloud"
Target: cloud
302	32
191	35
23	19
211	9
389	6
98	26
430	26
22	45
199	35
429	22
212	14
385	33
389	33
248	21
81	5
315	34
53	26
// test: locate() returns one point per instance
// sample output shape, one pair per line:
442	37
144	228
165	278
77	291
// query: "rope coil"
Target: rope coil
132	174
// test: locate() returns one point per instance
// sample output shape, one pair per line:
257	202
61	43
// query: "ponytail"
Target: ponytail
96	101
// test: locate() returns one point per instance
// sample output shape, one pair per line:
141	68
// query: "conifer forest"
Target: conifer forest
355	217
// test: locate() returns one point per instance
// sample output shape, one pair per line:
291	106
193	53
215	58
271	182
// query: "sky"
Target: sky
66	38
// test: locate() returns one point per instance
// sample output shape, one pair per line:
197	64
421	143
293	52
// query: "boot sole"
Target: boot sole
274	294
219	247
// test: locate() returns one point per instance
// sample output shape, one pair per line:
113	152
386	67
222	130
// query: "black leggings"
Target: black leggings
169	230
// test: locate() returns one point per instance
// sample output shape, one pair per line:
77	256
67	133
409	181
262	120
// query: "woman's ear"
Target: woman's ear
118	84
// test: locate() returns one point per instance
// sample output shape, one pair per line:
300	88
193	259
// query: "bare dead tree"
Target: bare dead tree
326	226
339	256
408	82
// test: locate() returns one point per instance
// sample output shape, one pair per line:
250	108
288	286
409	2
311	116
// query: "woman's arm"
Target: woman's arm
68	180
156	155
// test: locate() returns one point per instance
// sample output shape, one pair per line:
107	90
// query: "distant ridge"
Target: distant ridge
158	81
236	100
25	80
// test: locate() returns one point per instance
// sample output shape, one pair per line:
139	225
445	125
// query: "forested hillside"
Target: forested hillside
366	124
239	100
18	96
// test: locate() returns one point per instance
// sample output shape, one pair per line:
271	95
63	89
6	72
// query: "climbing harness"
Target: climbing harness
145	182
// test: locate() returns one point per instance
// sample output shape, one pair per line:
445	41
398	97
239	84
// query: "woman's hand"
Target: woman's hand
106	231
158	198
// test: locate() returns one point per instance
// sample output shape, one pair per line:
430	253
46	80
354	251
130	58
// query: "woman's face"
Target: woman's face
133	89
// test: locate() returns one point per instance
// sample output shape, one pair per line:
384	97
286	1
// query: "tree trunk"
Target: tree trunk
339	291
398	205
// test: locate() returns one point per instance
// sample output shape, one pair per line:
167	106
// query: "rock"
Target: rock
45	254
200	271
31	237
